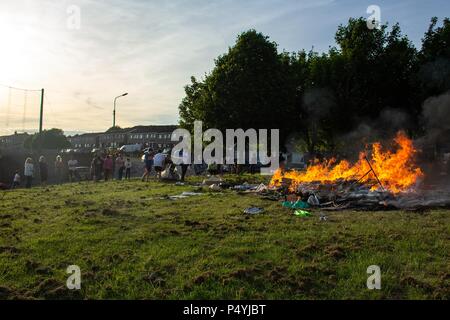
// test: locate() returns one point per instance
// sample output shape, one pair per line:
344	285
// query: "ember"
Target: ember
394	171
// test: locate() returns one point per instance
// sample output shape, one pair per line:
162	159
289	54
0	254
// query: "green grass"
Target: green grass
131	244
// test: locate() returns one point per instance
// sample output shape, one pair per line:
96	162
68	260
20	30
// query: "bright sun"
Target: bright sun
15	62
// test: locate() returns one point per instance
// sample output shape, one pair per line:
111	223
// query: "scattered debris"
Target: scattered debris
313	200
246	187
261	188
253	210
302	213
299	204
212	180
184	195
215	187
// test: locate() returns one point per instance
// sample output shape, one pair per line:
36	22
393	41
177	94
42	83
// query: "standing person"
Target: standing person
213	169
59	169
28	172
72	164
184	163
159	161
43	170
99	167
148	164
107	167
16	180
96	167
120	163
113	169
128	166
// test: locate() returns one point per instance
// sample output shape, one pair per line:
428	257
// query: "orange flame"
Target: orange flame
396	171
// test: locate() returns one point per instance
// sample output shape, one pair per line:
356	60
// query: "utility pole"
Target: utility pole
42	111
114	111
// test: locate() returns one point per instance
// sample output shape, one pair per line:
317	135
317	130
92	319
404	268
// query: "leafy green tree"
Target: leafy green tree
49	139
246	89
377	69
369	74
434	57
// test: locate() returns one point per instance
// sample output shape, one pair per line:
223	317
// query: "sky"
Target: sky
87	52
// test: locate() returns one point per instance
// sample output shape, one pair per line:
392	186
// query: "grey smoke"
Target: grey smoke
436	74
436	112
386	126
318	102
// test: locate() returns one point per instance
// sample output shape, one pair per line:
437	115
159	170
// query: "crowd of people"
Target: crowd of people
102	167
108	166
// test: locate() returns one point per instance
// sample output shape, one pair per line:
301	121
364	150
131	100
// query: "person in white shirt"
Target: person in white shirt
16	180
159	162
72	164
28	172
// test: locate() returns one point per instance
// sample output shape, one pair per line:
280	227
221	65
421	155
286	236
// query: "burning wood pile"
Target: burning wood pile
385	180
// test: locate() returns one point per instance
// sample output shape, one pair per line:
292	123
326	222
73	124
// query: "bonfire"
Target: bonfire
380	178
395	171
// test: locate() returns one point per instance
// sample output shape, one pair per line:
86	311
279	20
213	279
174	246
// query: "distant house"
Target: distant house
84	141
148	136
13	142
151	136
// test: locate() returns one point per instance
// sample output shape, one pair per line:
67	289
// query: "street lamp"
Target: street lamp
114	112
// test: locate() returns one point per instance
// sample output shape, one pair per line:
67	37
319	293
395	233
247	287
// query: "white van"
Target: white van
129	148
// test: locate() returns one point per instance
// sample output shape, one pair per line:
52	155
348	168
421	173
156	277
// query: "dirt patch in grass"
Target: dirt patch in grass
9	249
336	252
155	278
54	290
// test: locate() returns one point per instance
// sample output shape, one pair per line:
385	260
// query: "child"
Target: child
16	180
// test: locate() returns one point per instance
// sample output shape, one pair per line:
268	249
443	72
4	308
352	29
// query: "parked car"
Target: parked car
84	173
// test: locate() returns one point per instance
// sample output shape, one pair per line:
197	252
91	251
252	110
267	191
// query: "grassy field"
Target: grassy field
132	243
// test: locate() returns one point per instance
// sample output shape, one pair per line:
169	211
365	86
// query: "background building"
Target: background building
13	142
149	136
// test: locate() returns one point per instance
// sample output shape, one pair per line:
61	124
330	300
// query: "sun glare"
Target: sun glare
14	55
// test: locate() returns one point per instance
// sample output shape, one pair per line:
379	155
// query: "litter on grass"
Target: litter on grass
295	204
185	194
313	200
253	210
212	180
302	213
215	187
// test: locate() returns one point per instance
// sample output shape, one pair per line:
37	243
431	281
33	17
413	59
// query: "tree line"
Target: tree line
369	76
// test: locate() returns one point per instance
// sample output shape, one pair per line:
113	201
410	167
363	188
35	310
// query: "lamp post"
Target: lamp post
114	111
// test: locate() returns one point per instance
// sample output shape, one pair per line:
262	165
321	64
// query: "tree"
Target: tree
246	89
377	69
370	77
434	57
114	129
49	139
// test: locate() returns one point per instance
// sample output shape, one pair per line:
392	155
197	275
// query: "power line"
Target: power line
16	88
